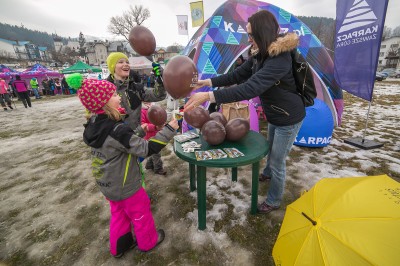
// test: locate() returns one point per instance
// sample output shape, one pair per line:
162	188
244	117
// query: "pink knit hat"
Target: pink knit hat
94	94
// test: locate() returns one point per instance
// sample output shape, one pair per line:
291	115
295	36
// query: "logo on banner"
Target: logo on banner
353	27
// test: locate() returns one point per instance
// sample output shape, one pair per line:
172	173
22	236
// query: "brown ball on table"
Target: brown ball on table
219	117
157	115
142	40
213	132
236	129
180	76
196	117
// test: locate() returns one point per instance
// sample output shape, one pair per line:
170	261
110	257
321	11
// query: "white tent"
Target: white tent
139	63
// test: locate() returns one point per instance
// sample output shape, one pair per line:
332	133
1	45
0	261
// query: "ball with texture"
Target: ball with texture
157	115
219	117
142	40
196	117
213	132
180	76
236	129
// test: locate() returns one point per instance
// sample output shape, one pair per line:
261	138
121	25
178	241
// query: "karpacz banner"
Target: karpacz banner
359	27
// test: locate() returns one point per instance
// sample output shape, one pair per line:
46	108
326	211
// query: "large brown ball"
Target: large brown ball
197	117
219	117
236	129
157	115
142	40
179	76
213	132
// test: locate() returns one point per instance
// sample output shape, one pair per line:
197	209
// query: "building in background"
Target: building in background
389	53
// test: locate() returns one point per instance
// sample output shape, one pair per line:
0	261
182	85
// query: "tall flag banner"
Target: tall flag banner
197	13
182	24
359	27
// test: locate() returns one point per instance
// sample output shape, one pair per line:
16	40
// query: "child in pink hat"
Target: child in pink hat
115	164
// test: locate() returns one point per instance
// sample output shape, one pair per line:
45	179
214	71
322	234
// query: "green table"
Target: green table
254	147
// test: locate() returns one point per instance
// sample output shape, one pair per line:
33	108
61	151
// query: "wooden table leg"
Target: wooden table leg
192	175
201	196
254	187
234	174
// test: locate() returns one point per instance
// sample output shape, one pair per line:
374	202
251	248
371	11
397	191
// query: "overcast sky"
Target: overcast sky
91	17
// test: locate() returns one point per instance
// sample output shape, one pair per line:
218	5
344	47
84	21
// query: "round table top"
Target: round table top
254	146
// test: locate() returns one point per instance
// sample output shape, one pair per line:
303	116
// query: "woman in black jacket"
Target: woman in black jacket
267	74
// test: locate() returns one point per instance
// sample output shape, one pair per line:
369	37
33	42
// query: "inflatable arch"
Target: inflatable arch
222	38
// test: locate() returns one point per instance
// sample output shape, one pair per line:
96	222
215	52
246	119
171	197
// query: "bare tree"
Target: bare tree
396	32
387	31
122	25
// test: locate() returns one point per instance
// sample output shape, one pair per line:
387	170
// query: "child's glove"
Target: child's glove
157	70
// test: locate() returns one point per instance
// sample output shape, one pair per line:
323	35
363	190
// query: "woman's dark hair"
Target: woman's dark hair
18	77
265	30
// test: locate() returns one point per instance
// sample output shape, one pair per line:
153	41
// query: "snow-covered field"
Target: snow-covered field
52	213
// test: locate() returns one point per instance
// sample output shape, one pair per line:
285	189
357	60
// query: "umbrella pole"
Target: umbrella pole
308	218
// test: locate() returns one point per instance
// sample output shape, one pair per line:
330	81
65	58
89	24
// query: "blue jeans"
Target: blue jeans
35	91
281	140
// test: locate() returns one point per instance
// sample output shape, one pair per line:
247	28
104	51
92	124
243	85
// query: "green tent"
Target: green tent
80	67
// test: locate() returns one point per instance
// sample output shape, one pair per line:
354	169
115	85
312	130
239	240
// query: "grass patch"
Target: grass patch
42	234
183	203
258	236
226	218
71	249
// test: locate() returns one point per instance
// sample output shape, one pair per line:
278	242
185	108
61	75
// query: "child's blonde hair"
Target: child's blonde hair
112	113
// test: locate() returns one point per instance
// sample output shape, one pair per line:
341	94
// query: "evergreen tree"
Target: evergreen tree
82	42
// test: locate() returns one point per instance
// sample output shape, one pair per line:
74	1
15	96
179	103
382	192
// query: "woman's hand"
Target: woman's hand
195	100
201	83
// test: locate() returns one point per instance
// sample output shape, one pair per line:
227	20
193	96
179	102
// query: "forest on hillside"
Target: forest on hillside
20	33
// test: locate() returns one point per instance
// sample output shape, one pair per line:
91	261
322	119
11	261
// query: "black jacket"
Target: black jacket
133	93
271	80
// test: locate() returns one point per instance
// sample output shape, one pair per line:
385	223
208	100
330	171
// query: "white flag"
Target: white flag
182	25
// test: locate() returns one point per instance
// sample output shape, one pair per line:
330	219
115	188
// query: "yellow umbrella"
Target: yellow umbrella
343	221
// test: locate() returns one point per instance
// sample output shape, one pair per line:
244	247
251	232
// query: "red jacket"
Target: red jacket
151	128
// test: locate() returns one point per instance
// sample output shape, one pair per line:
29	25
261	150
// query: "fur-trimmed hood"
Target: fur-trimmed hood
284	43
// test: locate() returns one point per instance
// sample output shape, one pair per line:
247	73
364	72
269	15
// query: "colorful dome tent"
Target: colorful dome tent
38	71
223	37
80	67
6	72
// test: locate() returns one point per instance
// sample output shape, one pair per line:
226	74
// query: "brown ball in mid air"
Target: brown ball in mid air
196	117
213	132
142	40
237	128
157	115
180	76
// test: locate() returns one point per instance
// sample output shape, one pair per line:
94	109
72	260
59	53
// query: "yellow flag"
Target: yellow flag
197	12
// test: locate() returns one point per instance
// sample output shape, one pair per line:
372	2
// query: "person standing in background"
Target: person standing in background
35	86
22	90
4	96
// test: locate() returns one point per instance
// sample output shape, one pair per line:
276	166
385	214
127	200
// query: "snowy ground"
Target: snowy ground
51	212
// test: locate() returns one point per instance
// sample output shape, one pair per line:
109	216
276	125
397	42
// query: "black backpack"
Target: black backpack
303	77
